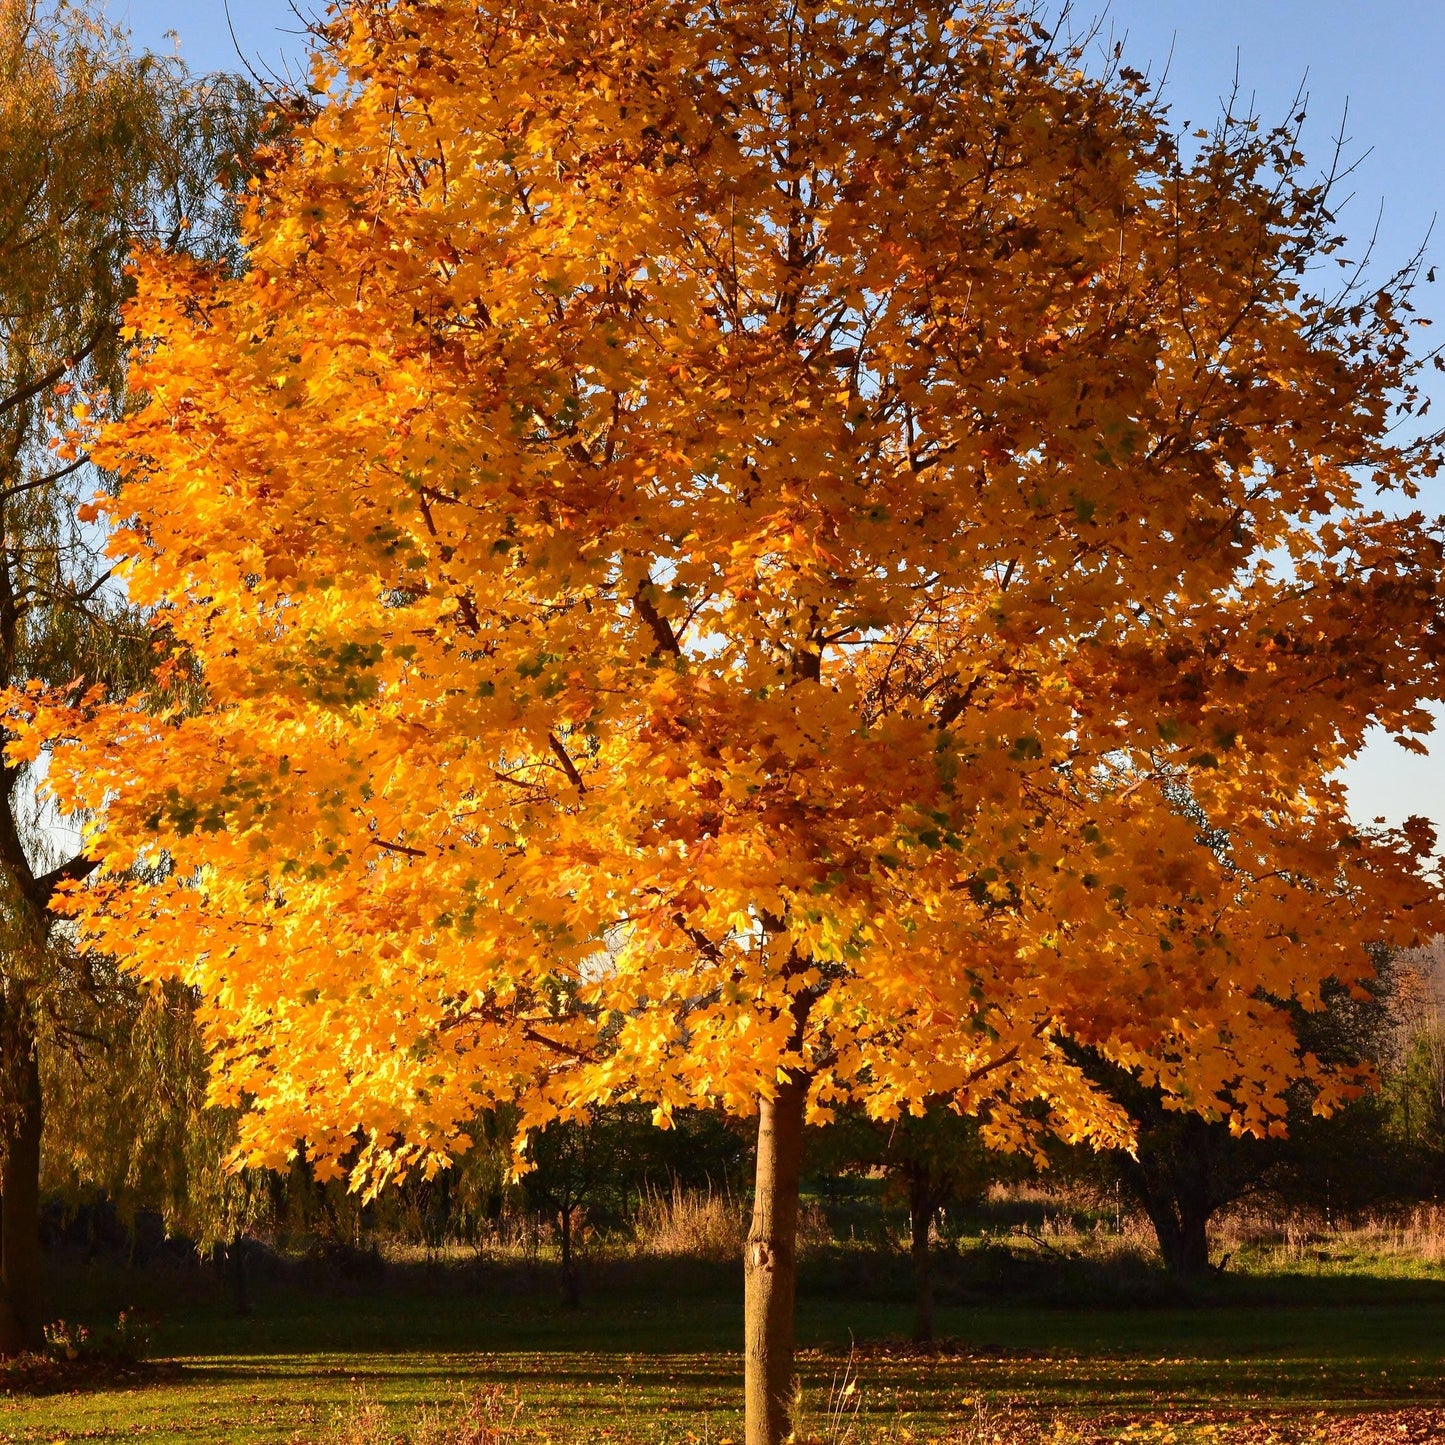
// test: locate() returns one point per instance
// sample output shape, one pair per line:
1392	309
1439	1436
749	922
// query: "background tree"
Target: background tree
1185	1168
752	515
98	149
577	1164
599	1167
935	1160
127	1126
1355	1158
1414	1088
1182	1171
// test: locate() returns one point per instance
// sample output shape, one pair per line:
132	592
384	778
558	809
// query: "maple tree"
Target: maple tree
758	555
98	148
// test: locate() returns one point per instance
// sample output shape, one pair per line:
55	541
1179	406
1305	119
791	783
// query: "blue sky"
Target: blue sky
1380	57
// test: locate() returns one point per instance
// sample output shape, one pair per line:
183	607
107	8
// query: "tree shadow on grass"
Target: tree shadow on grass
1292	1339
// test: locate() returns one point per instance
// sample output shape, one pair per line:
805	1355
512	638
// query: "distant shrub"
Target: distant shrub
124	1343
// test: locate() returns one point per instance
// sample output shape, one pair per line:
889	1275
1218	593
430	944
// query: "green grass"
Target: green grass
633	1364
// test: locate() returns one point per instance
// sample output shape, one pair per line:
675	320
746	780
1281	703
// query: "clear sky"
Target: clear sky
1382	57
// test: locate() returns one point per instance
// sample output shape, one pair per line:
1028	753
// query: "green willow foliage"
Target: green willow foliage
101	150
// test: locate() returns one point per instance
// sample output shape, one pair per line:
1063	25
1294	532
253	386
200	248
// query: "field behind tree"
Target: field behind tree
1053	1328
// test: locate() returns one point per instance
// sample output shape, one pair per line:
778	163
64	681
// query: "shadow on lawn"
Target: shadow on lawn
1243	1342
934	1385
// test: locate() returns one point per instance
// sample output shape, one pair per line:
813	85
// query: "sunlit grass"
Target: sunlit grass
1309	1326
637	1364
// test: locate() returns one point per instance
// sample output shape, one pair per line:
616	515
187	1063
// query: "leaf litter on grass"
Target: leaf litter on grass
497	1415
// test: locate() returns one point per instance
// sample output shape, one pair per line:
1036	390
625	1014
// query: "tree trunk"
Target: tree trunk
240	1275
22	1270
1180	1216
770	1267
571	1293
1183	1240
1193	1258
921	1209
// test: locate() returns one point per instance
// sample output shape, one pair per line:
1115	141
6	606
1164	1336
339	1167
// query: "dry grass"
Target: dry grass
713	1226
1102	1240
490	1416
496	1417
710	1225
1407	1243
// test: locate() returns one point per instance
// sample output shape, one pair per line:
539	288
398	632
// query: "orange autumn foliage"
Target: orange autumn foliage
724	539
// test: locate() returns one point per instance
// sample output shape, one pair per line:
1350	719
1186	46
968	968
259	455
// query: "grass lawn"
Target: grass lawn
637	1363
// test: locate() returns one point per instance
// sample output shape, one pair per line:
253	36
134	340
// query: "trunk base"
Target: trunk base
770	1267
22	1267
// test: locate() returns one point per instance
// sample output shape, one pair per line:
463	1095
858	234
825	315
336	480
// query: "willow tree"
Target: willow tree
98	149
715	538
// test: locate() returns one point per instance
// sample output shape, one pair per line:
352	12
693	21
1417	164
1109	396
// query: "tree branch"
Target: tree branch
568	766
76	870
395	848
661	627
49	378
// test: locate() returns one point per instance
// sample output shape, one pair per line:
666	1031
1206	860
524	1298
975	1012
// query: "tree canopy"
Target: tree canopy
748	548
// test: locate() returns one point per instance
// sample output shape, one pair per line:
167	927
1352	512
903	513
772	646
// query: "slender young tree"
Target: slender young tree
713	537
932	1161
98	149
